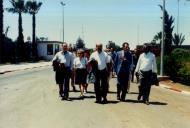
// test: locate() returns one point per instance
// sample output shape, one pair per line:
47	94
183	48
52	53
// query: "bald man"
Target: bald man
64	63
100	58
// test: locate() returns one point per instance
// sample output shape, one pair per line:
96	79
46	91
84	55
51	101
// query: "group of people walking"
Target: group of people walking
102	65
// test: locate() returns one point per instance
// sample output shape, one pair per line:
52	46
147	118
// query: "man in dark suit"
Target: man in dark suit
123	63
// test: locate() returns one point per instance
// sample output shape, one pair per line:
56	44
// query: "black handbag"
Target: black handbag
154	79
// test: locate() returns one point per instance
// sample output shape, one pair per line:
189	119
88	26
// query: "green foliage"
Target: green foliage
112	44
177	65
18	7
168	29
33	6
178	39
80	44
180	54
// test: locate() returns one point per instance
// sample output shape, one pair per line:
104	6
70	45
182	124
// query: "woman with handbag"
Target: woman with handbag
80	67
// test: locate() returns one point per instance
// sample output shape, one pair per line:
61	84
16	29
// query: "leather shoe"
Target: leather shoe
146	102
104	101
98	101
139	97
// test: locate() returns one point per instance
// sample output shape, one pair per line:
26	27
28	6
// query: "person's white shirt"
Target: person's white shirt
146	62
80	63
109	58
66	59
101	58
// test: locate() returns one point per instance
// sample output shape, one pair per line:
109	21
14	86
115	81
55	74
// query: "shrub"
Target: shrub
177	65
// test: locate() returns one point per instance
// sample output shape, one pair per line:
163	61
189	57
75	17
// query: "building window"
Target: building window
50	49
56	48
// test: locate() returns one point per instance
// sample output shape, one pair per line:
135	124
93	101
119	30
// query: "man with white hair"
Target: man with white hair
99	58
63	61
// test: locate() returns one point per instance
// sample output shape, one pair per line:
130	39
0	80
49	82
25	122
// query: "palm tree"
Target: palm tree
19	8
1	31
158	37
178	39
168	29
32	8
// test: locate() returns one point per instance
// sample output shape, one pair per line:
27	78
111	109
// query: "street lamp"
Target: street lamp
178	18
63	4
163	42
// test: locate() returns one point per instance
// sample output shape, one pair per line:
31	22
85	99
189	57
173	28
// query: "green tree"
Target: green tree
168	29
1	32
158	37
18	7
178	39
32	8
112	44
80	43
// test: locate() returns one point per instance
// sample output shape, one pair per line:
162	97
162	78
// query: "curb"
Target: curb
26	68
174	89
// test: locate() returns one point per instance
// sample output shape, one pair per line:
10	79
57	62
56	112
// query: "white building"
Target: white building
47	49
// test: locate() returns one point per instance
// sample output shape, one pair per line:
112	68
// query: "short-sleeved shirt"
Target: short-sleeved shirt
101	58
80	63
64	58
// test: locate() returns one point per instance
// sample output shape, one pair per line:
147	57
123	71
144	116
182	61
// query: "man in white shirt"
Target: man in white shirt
64	62
146	65
101	73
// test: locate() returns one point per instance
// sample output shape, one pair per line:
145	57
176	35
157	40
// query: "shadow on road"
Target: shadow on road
112	92
133	93
132	101
158	103
112	102
90	92
151	103
79	98
89	97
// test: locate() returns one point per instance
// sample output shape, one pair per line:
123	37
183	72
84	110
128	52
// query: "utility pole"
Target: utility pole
163	41
178	18
63	4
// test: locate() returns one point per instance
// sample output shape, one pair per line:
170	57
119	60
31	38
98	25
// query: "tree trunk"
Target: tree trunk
20	39
34	44
1	33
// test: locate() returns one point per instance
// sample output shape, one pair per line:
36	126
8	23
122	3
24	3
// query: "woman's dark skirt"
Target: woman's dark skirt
80	76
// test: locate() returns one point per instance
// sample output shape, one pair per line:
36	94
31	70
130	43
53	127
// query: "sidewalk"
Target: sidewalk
22	66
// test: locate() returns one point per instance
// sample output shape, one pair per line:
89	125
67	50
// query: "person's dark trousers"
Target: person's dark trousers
59	80
60	90
123	79
118	91
101	85
145	85
132	74
66	78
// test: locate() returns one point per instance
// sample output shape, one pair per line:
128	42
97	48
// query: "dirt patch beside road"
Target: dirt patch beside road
176	86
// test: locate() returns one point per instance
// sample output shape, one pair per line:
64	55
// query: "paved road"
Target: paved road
29	99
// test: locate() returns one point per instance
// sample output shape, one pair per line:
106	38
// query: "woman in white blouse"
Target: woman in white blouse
80	67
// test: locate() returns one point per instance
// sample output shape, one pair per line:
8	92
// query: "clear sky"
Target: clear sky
134	21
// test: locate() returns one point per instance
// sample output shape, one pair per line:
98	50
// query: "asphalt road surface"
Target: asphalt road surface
29	99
